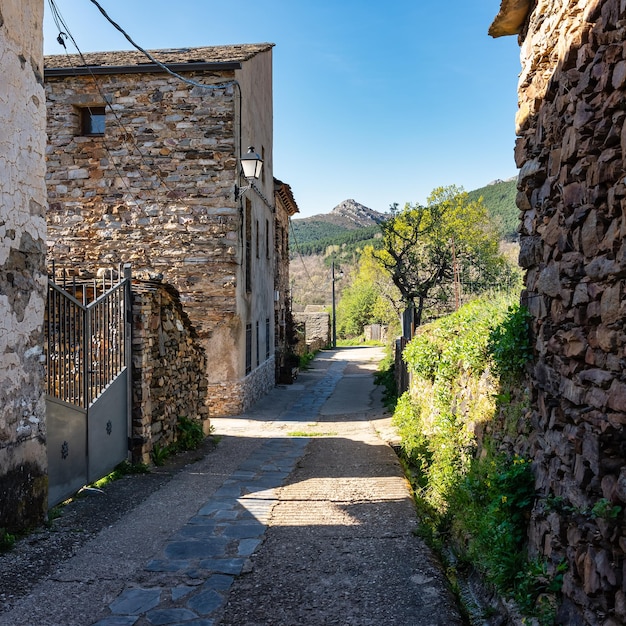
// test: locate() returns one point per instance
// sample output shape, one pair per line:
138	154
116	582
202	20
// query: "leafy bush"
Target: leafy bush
189	434
465	369
510	343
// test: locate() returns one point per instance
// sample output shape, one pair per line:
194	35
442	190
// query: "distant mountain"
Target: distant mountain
348	225
349	214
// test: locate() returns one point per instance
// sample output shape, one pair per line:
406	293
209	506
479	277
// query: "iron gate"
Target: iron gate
88	380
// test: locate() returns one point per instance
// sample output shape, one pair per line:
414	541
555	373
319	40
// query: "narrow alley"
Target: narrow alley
301	515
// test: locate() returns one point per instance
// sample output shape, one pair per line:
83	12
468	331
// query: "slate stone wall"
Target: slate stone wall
169	369
155	191
572	194
23	281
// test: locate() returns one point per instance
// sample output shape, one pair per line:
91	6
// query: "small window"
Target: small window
258	356
248	348
92	120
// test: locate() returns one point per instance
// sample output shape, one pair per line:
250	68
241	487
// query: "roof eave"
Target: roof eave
511	18
142	68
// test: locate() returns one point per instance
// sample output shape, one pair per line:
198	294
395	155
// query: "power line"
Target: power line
156	61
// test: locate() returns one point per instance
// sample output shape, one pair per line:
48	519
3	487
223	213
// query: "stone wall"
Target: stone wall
169	369
155	191
572	193
234	398
317	327
23	281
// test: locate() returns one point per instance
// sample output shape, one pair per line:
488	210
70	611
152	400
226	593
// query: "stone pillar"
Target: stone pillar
23	282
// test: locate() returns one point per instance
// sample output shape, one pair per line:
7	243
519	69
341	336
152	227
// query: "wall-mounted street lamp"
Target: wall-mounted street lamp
251	165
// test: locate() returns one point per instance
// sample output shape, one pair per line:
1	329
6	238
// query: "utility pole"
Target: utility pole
334	317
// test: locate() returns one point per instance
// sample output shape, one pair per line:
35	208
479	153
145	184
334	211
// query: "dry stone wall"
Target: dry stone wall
23	281
317	327
169	369
571	152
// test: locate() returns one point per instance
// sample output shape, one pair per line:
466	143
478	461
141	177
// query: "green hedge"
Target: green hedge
472	493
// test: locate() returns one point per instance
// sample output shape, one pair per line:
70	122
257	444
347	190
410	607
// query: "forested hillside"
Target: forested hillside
351	225
345	240
340	236
499	198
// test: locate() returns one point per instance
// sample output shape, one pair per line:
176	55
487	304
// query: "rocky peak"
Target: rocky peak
354	215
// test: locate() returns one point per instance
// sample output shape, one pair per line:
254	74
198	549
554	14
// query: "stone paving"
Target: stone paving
214	546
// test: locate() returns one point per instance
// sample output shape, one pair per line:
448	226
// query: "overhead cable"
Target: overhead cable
156	61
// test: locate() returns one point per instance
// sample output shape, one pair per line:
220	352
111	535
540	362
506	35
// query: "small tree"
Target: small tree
371	298
424	247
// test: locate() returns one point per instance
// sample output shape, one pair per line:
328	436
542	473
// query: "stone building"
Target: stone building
571	151
145	167
286	208
23	464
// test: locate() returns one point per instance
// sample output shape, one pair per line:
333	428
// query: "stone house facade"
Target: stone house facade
286	208
144	167
571	151
23	462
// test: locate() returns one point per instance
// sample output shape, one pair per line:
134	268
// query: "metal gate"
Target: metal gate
88	380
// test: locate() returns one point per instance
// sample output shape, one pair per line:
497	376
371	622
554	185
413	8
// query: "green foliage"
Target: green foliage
536	590
425	248
369	298
604	509
477	503
305	359
311	433
510	343
160	454
122	469
499	199
189	434
7	540
385	377
492	504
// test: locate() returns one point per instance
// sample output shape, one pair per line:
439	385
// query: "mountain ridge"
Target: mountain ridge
348	214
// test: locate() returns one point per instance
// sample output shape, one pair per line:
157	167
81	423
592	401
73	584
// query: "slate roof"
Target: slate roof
283	191
208	54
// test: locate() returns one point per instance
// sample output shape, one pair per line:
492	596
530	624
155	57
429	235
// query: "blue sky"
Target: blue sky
379	102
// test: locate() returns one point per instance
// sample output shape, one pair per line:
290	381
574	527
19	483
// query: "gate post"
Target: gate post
128	355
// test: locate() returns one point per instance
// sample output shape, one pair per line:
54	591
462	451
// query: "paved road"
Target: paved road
301	516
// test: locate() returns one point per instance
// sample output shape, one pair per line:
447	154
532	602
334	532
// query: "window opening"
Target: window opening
248	267
248	348
92	120
257	344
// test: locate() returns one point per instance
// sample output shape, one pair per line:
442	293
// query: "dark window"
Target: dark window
248	348
267	338
92	120
257	239
267	239
248	267
257	345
